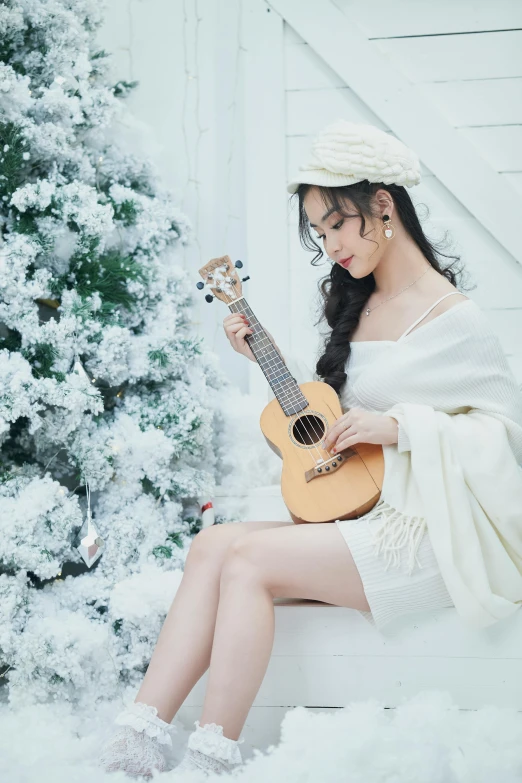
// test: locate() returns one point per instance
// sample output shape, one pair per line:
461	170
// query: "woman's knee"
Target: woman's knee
218	542
212	542
243	559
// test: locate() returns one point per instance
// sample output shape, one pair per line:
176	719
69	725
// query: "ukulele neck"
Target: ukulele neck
282	383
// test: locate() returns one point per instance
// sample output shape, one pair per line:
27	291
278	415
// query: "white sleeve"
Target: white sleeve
403	440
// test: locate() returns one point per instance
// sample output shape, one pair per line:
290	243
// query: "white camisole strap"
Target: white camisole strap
427	313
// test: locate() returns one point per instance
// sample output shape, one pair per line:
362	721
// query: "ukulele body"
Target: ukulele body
343	486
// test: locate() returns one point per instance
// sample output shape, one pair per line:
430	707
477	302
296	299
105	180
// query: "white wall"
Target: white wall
234	95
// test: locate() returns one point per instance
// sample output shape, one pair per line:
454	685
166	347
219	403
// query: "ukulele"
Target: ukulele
316	487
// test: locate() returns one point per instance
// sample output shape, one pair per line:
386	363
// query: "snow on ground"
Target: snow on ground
425	740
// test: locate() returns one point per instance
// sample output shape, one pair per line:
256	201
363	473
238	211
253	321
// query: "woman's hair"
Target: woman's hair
343	296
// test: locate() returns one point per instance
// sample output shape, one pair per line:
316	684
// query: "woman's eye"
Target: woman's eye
336	227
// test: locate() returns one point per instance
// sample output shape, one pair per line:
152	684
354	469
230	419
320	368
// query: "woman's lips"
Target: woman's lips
346	262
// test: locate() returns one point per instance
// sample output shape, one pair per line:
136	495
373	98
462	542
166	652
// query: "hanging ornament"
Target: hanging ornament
68	82
78	368
90	544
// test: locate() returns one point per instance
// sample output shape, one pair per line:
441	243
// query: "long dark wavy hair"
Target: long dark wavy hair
343	296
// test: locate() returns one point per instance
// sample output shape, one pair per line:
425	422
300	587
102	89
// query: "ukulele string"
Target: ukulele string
317	434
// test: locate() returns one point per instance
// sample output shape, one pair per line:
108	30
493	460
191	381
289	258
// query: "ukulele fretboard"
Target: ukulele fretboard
282	383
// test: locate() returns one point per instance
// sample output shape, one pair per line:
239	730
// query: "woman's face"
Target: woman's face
341	238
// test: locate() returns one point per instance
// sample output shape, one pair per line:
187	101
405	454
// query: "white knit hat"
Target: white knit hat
347	152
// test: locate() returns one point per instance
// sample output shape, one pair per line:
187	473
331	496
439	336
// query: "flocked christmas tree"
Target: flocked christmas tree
103	387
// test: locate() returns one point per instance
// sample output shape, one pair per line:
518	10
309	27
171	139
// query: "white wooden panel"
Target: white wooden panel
497	275
303	71
306	337
265	191
451	57
515	179
430	193
500	146
297	148
291	36
337	680
418	17
308	111
507	323
478	102
300	630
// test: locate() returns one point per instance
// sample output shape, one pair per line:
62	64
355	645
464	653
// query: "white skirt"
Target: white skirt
391	590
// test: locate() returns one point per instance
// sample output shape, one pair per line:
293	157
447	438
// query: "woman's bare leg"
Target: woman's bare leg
306	561
182	652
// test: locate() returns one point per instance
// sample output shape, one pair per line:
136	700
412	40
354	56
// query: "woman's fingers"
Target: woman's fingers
235	323
346	443
242	332
341	425
237	329
338	444
234	317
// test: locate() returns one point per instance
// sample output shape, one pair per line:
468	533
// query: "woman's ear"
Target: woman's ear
385	202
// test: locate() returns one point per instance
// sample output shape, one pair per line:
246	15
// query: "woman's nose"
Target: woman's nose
333	248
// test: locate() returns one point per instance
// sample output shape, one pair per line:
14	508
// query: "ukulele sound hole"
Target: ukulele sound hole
308	430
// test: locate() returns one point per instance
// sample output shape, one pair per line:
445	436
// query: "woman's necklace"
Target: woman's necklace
369	309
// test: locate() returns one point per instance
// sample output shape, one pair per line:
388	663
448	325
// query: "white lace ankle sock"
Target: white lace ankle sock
208	749
137	747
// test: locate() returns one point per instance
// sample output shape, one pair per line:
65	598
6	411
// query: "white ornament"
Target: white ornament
78	367
388	232
91	544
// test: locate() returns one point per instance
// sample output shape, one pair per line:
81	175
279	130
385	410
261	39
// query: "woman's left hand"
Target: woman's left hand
360	426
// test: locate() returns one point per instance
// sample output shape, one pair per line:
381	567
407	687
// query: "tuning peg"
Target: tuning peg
209	297
200	285
244	279
238	264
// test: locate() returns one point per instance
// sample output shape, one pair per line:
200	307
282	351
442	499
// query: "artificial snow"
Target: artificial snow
427	739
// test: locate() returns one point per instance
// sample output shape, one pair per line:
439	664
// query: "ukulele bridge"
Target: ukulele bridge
329	465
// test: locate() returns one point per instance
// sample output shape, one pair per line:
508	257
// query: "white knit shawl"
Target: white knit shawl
457	467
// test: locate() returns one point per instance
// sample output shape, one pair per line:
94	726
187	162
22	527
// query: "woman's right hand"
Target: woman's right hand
236	328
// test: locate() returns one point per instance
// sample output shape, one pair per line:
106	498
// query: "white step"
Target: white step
326	656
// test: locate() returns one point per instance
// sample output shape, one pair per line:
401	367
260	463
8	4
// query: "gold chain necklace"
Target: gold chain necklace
369	309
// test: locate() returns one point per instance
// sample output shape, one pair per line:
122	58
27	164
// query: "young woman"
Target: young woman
419	371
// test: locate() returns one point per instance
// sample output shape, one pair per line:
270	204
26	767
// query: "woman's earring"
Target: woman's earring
388	231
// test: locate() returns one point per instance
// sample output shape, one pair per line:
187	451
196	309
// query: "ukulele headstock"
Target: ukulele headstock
221	277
